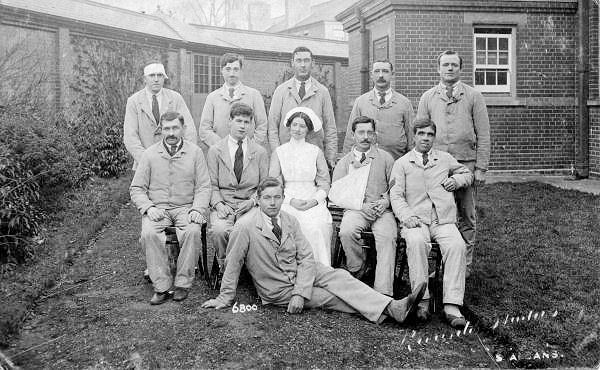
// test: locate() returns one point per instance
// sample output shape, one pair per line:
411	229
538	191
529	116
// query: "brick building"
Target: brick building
50	30
521	54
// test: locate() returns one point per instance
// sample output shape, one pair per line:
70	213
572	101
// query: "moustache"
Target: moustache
381	79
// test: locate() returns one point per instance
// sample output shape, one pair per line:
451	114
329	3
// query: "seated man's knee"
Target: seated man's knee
193	229
414	237
349	229
220	227
148	233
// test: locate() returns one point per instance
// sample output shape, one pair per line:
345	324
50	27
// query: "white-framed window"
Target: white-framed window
207	73
494	59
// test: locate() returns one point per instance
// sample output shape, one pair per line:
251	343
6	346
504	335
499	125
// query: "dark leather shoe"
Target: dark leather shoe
456	322
180	294
399	310
423	314
147	276
159	298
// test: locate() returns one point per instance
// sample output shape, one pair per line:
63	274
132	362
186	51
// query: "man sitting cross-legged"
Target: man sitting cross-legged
171	187
280	261
236	165
421	195
367	163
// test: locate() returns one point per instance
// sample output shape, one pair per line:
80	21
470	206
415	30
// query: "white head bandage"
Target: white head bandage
316	121
155	68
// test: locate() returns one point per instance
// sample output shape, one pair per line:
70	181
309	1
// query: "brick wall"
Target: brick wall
533	130
594	147
595	141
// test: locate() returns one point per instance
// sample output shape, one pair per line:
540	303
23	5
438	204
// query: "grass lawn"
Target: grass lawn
536	251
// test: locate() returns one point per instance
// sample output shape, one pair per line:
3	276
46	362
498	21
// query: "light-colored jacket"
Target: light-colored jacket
224	184
214	122
140	130
463	126
379	173
393	122
318	99
169	182
415	188
279	270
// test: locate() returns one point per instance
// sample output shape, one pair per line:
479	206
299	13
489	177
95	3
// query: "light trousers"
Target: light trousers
452	246
385	231
153	239
337	290
219	231
467	215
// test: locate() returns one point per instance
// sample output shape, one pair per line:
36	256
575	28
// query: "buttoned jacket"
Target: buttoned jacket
140	129
318	99
278	270
463	126
214	122
393	122
224	184
169	182
379	173
416	188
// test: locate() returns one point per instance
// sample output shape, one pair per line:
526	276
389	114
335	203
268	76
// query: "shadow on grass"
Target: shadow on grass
537	250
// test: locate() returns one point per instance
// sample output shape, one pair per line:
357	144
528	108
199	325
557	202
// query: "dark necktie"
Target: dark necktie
425	159
155	111
231	90
302	90
173	149
238	164
276	228
449	90
381	98
363	156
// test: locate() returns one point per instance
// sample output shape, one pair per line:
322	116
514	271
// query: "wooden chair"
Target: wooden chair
172	245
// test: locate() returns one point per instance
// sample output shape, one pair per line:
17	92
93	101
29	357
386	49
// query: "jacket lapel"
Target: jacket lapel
293	92
223	153
313	89
265	230
145	107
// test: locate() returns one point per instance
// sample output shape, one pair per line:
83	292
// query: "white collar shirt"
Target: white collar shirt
307	84
159	98
236	89
233	145
388	94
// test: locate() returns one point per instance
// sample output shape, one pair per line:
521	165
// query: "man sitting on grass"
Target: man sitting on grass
171	187
280	261
423	182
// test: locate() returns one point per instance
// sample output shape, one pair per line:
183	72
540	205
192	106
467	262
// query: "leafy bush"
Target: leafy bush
19	218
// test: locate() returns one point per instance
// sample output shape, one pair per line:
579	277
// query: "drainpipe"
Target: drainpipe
364	53
582	164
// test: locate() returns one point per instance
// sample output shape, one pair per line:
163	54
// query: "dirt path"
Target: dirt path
107	322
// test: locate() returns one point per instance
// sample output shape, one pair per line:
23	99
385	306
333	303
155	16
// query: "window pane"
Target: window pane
479	77
492	57
480	43
503	44
490	77
503	58
502	77
492	43
480	57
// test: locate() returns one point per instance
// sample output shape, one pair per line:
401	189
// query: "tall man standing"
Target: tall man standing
171	187
302	90
236	164
141	127
214	122
375	212
463	130
392	112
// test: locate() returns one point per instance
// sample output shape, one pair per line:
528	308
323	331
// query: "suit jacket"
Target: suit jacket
379	173
279	270
214	122
417	188
140	130
170	182
393	122
317	98
463	126
224	184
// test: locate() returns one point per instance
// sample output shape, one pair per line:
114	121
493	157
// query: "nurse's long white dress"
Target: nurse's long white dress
305	175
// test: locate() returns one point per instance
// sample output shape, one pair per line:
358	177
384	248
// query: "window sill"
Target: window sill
502	100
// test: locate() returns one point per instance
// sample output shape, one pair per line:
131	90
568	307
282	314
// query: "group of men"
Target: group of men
177	183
